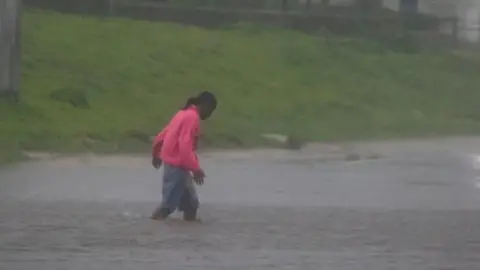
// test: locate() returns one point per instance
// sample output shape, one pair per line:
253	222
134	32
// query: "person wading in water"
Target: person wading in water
175	147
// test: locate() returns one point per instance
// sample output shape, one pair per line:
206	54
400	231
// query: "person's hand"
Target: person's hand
199	177
156	163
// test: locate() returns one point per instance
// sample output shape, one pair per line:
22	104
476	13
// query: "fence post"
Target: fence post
455	34
111	7
284	5
269	4
325	4
10	53
212	3
308	5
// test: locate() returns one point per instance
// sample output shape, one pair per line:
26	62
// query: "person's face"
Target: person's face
206	111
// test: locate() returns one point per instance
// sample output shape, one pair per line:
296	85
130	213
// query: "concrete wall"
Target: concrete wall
467	11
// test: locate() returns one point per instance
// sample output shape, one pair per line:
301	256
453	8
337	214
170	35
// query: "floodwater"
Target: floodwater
415	207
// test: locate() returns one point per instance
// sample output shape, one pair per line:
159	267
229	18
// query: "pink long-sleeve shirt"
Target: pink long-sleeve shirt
177	142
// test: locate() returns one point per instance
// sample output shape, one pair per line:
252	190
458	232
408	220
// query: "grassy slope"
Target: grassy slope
136	74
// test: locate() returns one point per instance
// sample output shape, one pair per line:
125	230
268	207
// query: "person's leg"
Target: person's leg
190	214
189	203
172	191
161	213
188	207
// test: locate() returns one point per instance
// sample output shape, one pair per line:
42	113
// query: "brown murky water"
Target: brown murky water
416	208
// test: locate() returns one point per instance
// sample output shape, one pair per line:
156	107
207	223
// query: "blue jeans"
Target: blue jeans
178	191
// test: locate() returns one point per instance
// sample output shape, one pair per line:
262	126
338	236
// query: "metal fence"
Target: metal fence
345	17
10	19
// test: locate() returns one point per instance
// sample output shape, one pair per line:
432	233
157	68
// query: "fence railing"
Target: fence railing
10	11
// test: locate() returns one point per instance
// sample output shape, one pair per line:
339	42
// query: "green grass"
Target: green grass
105	85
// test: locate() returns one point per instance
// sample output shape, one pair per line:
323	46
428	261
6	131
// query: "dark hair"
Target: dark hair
204	97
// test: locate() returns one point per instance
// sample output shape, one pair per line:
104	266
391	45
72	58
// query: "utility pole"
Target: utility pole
10	53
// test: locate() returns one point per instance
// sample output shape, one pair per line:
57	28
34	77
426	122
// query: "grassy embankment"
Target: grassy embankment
106	85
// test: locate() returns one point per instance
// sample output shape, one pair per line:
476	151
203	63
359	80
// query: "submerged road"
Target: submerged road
416	208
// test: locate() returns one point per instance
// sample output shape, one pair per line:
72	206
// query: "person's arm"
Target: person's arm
158	142
186	141
157	147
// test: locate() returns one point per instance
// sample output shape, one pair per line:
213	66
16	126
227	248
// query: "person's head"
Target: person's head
205	102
